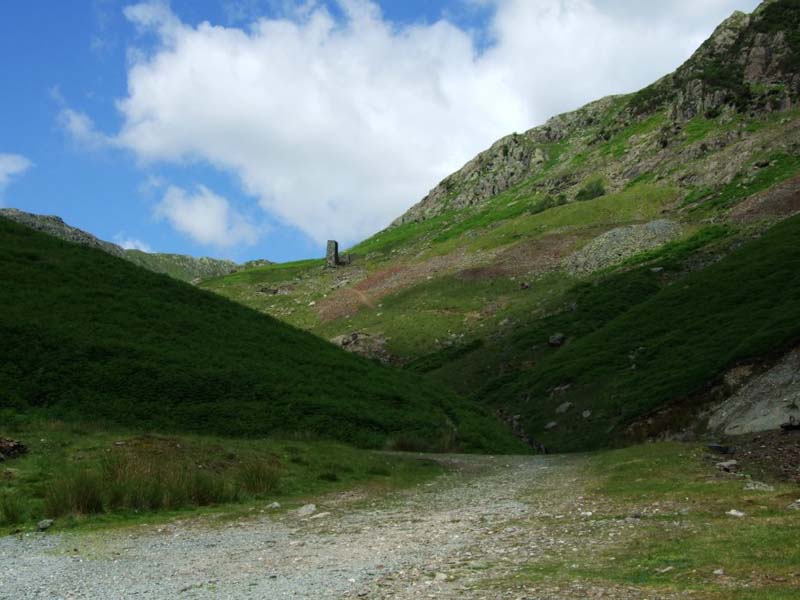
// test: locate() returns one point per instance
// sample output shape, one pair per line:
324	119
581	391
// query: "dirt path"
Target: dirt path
461	536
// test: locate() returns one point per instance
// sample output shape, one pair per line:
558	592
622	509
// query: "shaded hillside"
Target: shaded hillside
469	284
179	266
89	336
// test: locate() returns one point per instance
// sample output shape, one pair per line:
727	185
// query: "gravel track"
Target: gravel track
449	538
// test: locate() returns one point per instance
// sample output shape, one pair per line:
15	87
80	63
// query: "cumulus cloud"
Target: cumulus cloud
337	125
129	243
11	166
205	217
82	129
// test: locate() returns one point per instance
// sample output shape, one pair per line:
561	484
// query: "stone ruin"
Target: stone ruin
332	257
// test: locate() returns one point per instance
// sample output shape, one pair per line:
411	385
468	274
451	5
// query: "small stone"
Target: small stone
551	425
564	407
321	515
557	339
44	524
656	269
794	505
440	577
306	511
274	506
665	570
586	414
736	513
728	465
758	486
719	572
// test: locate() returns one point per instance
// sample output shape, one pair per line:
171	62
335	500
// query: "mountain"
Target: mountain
90	337
522	279
179	266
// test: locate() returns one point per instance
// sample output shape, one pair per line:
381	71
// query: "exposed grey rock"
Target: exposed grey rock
618	244
364	344
736	513
563	408
586	414
44	524
794	505
758	486
551	425
764	402
557	339
274	506
306	510
728	465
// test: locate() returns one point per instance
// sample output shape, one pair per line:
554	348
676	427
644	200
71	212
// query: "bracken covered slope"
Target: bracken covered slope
88	336
179	266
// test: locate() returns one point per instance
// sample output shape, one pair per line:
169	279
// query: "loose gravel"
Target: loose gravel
450	538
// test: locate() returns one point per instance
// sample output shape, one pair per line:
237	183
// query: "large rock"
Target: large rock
763	403
11	449
365	344
618	244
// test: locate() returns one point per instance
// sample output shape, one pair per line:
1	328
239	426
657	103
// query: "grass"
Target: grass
678	548
638	343
86	474
85	333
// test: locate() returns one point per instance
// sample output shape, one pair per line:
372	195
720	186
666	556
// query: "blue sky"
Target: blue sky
259	128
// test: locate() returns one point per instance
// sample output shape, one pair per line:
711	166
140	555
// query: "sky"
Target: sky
249	129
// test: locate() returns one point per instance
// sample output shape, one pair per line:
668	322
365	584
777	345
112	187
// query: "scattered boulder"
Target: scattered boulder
586	414
721	448
306	511
11	449
321	515
736	513
729	466
758	486
551	425
44	524
563	408
366	344
557	339
794	505
274	506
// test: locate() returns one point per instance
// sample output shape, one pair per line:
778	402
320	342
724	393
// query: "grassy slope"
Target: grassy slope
638	342
87	335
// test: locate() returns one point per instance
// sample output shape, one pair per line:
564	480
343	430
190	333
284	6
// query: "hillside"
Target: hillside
179	266
90	337
470	283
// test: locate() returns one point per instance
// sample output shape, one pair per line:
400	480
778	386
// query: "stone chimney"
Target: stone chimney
332	254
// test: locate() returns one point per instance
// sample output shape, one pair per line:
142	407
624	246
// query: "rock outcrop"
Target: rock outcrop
751	64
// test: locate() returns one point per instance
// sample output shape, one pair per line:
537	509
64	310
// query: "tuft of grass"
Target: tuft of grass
12	509
89	474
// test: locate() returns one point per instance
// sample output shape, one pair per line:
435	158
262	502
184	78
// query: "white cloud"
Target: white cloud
11	165
205	217
82	129
129	243
336	127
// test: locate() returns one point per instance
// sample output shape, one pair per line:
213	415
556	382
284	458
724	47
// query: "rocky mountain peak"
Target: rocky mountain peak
749	65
